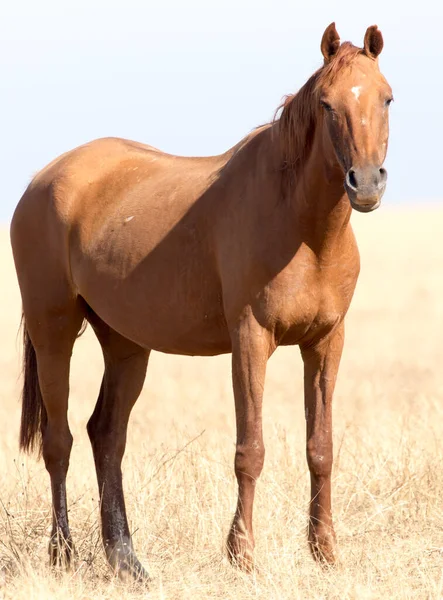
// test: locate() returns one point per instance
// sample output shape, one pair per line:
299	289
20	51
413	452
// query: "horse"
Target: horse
237	253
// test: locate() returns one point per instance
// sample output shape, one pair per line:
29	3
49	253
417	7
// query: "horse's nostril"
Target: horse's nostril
352	179
383	175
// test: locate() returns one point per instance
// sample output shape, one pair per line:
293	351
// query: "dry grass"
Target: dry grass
388	474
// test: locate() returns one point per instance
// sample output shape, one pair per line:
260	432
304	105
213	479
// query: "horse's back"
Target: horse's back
104	161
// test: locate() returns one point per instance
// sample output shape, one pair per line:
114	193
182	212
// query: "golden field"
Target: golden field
178	469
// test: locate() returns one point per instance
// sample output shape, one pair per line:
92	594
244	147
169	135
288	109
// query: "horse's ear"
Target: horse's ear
373	41
330	42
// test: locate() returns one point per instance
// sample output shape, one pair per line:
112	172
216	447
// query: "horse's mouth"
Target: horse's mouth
365	208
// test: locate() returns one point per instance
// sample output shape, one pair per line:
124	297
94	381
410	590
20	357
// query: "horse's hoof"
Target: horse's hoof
240	552
61	552
125	563
323	546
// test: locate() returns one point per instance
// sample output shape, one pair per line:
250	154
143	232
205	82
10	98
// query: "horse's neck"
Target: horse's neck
318	199
311	203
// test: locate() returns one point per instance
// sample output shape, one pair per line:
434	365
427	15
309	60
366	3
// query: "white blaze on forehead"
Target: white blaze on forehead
356	91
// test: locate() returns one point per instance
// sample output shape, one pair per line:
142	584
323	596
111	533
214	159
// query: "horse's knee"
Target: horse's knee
249	460
319	457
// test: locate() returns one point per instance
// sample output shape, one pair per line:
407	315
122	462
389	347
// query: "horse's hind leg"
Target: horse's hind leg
125	370
52	334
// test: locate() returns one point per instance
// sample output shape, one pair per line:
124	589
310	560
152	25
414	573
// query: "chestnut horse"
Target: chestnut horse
237	253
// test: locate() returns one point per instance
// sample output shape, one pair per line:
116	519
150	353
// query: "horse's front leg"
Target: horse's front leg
251	348
321	364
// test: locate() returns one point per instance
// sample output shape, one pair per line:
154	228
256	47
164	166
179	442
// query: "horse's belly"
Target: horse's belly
166	314
173	332
208	339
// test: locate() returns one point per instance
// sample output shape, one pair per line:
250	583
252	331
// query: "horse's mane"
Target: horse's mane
296	124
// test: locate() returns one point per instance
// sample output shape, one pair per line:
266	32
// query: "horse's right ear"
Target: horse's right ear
330	42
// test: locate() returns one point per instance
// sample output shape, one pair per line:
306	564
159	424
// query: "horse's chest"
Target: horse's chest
307	304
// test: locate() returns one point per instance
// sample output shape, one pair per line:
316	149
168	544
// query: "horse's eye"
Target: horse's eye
326	106
388	101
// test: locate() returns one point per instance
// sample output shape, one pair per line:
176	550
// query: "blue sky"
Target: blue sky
193	77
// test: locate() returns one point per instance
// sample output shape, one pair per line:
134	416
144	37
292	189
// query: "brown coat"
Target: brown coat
238	253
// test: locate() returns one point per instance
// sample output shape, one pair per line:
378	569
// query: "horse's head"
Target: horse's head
355	98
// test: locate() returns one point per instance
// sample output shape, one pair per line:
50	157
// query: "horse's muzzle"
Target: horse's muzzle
365	187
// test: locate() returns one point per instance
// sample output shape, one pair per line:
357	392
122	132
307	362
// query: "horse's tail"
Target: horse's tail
33	410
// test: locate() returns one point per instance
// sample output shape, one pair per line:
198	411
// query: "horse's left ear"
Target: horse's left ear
373	44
